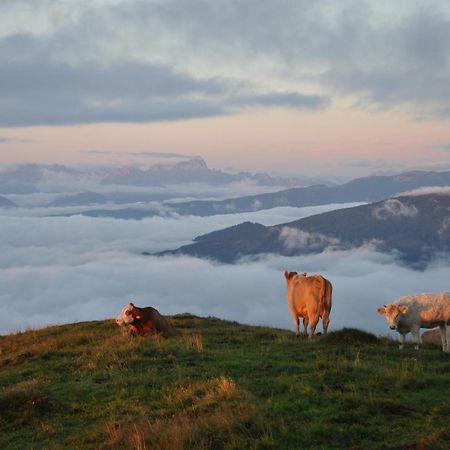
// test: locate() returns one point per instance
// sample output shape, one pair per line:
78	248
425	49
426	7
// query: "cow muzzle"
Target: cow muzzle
392	327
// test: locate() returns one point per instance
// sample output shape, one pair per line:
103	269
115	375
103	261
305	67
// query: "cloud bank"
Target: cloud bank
58	270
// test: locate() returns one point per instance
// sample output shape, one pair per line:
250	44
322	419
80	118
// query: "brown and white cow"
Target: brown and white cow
309	298
410	313
142	321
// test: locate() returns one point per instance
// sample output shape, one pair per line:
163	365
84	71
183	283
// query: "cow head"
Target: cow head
289	275
393	314
128	315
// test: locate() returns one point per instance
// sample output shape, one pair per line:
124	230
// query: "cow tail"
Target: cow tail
323	294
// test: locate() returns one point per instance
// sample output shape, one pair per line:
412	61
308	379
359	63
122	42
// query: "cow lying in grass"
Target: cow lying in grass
409	314
142	321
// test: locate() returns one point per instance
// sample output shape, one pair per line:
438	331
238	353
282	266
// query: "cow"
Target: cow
142	321
410	313
308	298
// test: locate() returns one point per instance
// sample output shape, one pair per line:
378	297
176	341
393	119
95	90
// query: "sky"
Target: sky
290	86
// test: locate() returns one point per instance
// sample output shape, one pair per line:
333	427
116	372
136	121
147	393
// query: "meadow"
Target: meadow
222	385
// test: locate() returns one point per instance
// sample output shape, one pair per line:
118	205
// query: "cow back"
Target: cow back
306	293
151	321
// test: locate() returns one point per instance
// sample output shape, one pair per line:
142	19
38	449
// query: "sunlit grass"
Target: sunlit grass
217	384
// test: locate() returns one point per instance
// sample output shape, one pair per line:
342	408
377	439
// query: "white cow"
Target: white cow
410	313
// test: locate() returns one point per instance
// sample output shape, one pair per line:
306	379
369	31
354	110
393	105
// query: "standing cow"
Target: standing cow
308	298
410	313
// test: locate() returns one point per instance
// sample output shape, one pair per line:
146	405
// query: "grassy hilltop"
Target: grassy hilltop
218	384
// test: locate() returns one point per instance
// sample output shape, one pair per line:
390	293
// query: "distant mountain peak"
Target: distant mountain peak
194	170
193	164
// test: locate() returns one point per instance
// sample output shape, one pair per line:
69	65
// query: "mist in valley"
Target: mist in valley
57	270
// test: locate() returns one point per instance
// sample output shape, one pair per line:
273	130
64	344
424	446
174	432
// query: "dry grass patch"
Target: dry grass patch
204	415
194	342
205	395
227	428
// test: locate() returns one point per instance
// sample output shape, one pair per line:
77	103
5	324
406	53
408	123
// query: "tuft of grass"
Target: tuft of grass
194	342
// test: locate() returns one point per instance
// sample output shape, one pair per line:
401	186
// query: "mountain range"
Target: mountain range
415	228
366	189
194	170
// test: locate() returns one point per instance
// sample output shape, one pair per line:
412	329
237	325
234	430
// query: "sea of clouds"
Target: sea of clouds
57	270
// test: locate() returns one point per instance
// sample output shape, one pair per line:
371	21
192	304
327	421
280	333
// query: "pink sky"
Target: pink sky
344	142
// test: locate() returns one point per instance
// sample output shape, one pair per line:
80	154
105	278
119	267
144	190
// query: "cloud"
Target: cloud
9	139
291	100
134	61
439	190
119	90
59	270
256	205
445	226
296	239
168	155
393	207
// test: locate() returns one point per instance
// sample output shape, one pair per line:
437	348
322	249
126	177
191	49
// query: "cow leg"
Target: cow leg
312	326
296	324
416	337
447	332
401	339
443	332
325	323
305	326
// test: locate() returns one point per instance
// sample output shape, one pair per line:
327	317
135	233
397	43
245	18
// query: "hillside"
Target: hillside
415	227
217	384
365	189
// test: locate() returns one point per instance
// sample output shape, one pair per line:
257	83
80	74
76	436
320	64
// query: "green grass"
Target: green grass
221	385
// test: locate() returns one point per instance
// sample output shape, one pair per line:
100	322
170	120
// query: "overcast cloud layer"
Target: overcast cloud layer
59	270
73	62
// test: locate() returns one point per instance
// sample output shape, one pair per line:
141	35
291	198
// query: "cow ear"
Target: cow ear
132	305
304	274
403	309
381	310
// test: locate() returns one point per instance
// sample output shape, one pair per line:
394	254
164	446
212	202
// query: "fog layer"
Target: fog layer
66	269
